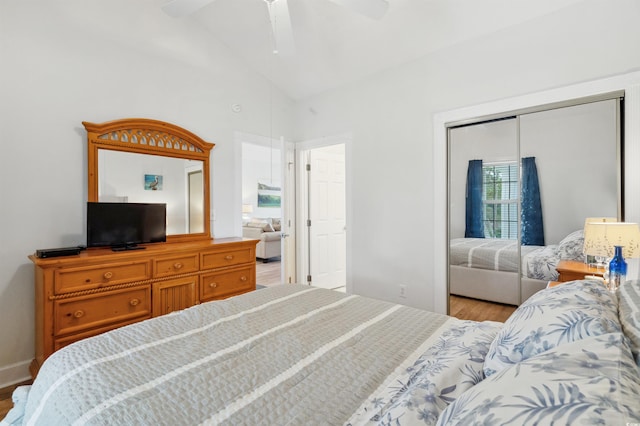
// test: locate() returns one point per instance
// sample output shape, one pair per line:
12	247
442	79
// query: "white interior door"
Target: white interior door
260	160
327	212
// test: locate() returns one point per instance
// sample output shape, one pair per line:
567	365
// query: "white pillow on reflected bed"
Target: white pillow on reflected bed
571	247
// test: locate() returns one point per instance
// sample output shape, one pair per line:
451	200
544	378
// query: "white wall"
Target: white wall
391	117
585	137
68	61
260	164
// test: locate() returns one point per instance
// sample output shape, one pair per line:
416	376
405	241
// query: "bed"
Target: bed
299	355
488	269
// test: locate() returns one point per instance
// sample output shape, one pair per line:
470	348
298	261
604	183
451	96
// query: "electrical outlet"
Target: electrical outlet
403	290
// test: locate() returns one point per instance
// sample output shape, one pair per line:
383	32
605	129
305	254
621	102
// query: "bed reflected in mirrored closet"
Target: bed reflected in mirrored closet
520	187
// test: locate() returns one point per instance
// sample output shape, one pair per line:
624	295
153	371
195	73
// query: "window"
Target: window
500	200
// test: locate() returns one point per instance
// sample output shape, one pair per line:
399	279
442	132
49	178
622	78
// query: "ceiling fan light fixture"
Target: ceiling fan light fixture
282	32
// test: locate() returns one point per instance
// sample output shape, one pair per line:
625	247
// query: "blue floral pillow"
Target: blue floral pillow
629	312
419	394
552	317
591	381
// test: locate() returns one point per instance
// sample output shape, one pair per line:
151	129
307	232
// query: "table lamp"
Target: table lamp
615	241
247	209
593	258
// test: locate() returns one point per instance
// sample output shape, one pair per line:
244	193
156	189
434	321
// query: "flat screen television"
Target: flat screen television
122	226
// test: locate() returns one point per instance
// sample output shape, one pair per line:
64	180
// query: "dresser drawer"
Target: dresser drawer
228	283
565	276
173	265
67	280
174	295
218	259
61	342
100	310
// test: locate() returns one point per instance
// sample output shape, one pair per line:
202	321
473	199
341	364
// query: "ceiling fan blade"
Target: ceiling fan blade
281	27
180	8
374	9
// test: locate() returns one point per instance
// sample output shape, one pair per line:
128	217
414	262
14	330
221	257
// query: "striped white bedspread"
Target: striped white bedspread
487	253
289	354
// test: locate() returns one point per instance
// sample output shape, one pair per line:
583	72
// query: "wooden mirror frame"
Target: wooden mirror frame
146	136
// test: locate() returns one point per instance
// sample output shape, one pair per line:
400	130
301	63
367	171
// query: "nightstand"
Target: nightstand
570	270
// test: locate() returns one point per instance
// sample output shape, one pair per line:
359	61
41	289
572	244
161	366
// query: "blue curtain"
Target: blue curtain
531	213
474	224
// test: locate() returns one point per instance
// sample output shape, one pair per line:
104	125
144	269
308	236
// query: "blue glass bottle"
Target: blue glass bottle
617	270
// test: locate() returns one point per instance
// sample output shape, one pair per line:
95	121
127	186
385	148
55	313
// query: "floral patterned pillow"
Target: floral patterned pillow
572	246
591	381
629	312
450	366
550	318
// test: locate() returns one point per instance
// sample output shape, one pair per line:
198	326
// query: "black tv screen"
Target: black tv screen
125	224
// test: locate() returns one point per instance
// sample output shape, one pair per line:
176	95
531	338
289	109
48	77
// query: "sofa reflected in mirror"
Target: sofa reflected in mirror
268	232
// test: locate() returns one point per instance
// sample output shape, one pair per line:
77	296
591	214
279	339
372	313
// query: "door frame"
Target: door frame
288	265
302	196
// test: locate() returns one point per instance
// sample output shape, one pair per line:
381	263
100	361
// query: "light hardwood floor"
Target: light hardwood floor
269	274
478	310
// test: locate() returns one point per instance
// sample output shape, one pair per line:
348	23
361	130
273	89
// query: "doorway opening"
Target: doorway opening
262	204
314	254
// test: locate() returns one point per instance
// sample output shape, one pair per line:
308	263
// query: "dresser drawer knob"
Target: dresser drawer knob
213	285
108	275
243	278
177	265
134	302
79	313
229	257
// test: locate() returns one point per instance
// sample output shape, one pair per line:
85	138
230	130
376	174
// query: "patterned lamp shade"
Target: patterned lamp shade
600	238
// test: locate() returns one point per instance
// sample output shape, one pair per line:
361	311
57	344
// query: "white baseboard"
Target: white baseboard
14	373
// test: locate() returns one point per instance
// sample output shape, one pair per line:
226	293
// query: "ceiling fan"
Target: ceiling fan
279	16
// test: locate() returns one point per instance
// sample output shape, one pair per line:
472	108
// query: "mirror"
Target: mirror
143	178
149	161
483	247
561	163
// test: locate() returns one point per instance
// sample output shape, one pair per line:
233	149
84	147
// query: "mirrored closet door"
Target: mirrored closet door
520	188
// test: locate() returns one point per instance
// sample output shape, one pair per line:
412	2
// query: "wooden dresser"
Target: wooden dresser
100	290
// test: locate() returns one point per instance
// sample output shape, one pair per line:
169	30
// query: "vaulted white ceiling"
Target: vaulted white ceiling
335	46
